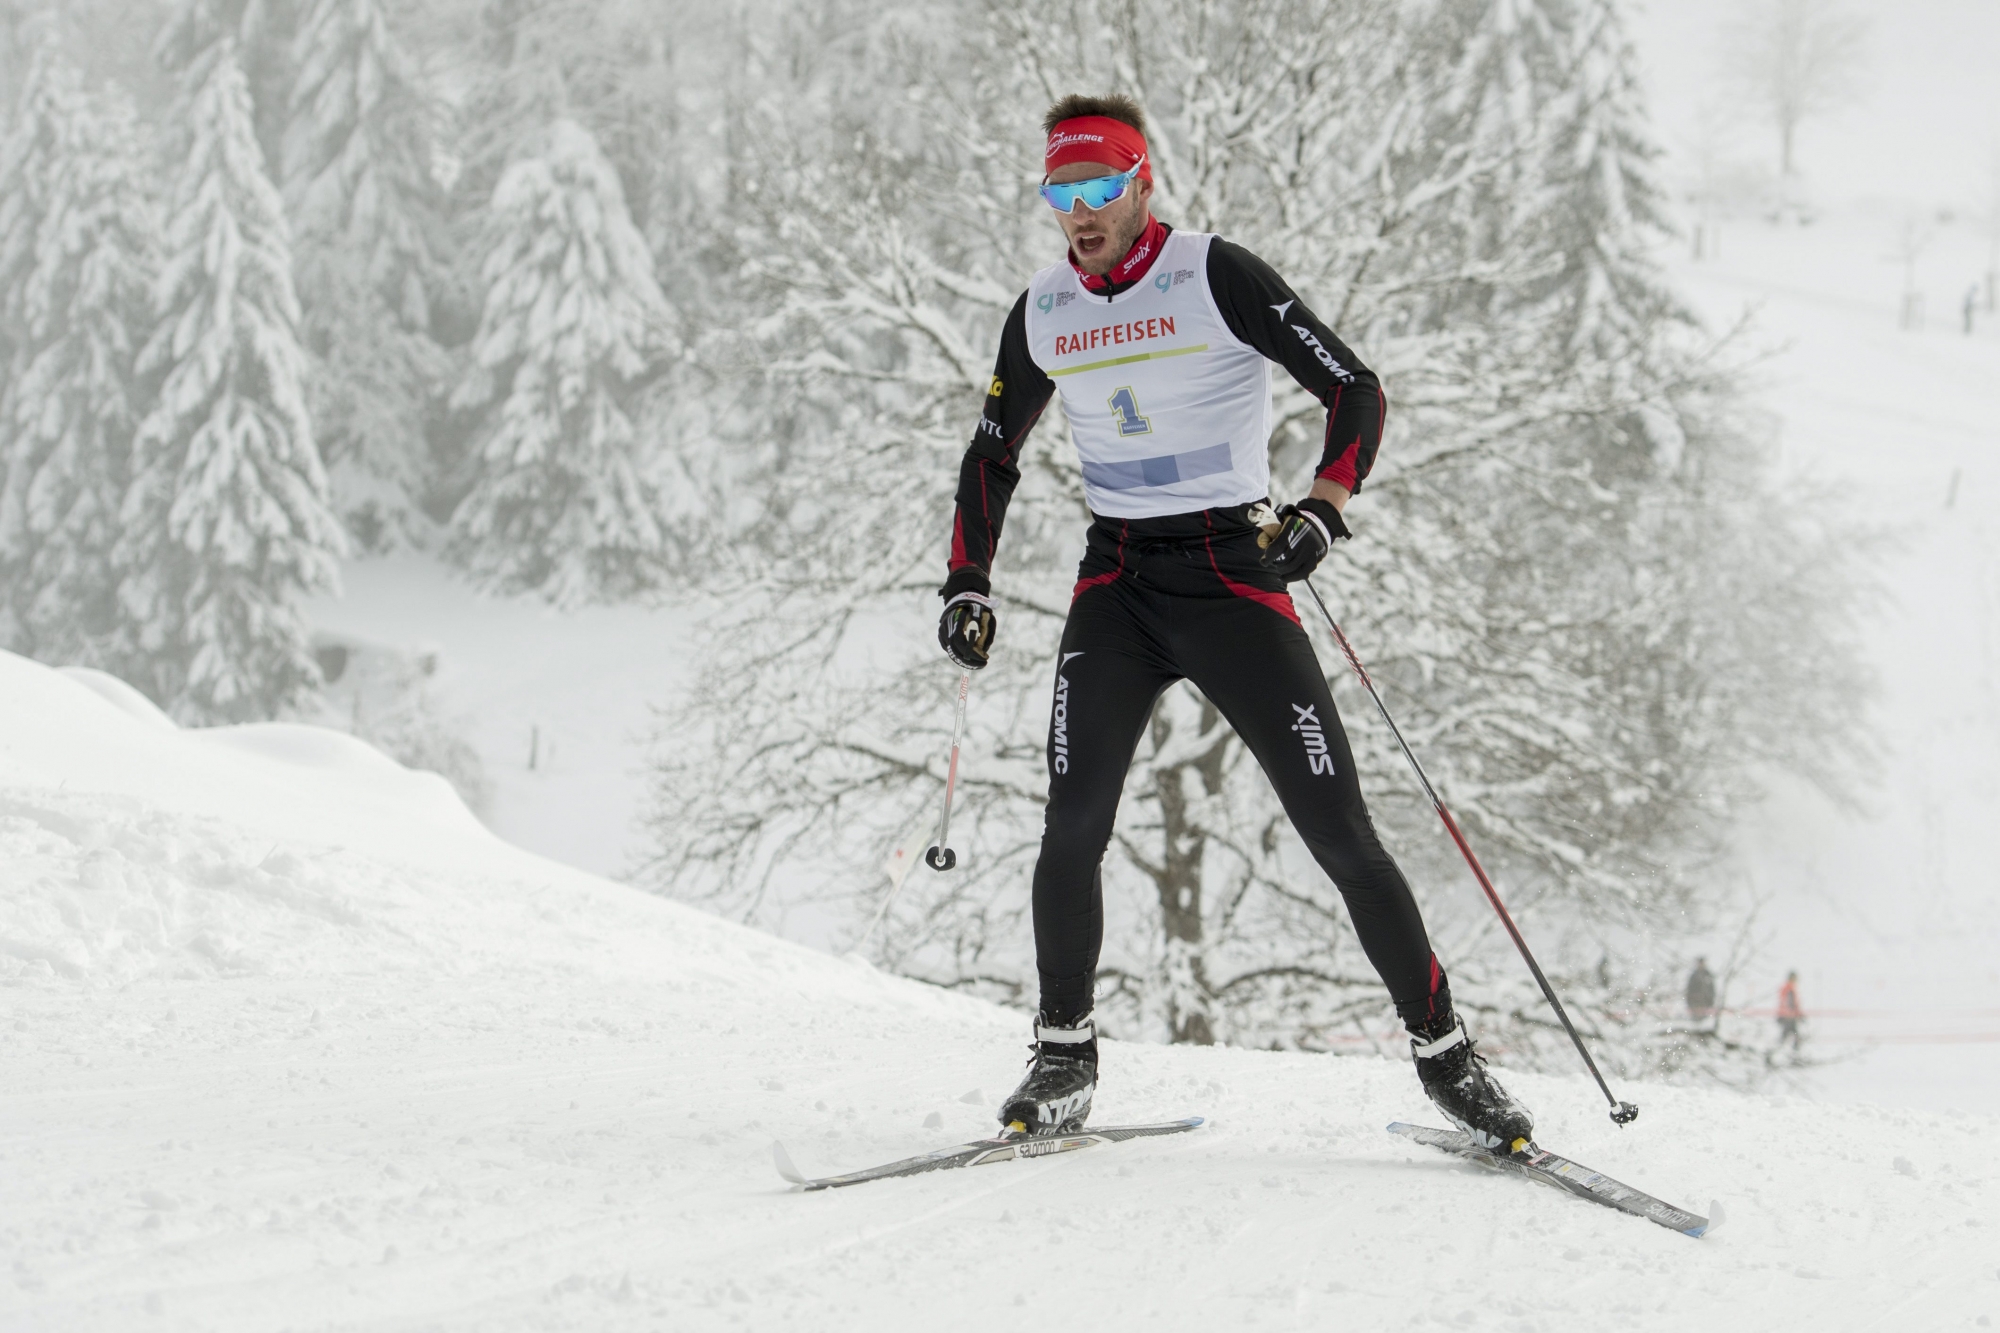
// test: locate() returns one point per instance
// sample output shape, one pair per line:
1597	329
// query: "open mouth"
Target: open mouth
1089	244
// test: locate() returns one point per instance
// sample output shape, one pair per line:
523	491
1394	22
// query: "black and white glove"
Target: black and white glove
1306	532
966	628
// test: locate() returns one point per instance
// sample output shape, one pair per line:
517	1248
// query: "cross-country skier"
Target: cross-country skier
1789	1012
1160	343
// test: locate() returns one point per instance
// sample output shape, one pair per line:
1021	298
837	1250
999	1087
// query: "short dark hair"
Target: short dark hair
1117	106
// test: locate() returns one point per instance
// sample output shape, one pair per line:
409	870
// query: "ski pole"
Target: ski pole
941	857
1622	1113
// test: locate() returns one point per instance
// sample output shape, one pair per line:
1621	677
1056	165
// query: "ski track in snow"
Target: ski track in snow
293	1043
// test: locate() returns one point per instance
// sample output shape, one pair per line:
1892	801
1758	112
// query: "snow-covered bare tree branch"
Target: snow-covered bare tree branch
1566	483
1793	60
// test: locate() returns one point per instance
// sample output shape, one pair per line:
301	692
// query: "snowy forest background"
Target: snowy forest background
628	301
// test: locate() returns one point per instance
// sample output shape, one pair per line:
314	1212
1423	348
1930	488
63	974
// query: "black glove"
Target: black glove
966	629
1306	532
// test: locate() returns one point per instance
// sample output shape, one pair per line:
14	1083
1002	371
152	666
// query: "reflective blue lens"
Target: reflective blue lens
1095	192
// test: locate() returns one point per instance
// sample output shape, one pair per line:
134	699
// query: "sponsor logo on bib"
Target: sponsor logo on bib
1114	335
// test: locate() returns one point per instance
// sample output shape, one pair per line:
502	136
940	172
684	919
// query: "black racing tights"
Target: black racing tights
1158	600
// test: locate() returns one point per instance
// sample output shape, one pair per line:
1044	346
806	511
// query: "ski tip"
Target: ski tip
1716	1217
783	1161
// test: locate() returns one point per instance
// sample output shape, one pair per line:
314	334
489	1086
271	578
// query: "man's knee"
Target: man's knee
1078	826
1349	850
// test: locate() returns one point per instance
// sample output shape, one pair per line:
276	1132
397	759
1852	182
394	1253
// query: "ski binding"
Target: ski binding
1537	1164
979	1152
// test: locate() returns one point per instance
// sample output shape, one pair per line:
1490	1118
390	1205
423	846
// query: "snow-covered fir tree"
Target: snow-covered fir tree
261	33
574	323
1610	297
79	240
27	156
609	65
227	521
369	236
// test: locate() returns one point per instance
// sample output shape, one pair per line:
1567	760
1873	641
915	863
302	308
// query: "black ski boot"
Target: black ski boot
1054	1098
1455	1079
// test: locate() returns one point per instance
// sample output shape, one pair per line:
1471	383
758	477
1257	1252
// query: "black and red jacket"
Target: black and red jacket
1243	286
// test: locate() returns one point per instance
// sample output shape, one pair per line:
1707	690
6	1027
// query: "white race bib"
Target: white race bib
1169	411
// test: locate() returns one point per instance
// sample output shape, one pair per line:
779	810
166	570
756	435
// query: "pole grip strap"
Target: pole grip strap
977	599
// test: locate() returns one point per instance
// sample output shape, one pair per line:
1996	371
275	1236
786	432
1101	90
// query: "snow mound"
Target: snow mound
293	1042
85	730
140	850
106	889
118	694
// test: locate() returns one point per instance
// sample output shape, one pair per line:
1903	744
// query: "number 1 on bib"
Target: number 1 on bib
1129	420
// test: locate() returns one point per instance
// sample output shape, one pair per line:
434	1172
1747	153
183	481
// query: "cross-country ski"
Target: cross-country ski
1537	1163
982	1152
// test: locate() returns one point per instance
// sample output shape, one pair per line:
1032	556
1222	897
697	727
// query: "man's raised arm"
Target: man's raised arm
987	476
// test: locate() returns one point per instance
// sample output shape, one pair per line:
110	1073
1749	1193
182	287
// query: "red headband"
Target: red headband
1097	139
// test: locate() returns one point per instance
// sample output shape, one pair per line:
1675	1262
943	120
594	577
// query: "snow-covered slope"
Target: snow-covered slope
291	1042
1887	911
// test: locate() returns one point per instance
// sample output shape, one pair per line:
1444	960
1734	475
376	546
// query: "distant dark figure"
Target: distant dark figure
1701	992
1789	1012
1971	304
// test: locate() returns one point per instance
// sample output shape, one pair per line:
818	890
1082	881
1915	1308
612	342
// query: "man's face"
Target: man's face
1100	237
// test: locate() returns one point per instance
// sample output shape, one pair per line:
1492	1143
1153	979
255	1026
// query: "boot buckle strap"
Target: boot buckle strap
1076	1036
1426	1051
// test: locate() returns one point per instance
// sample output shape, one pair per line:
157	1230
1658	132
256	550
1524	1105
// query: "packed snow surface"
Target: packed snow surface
293	1042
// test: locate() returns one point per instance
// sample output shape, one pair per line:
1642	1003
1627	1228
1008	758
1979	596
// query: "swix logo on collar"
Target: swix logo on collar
1315	739
1135	263
1340	372
1059	722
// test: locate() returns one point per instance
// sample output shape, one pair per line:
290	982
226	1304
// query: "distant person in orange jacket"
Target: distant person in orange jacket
1789	1012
